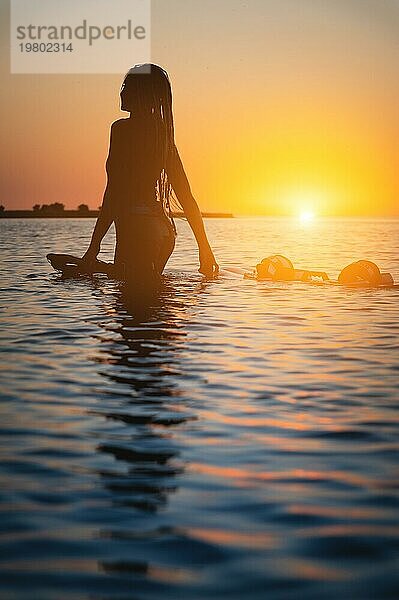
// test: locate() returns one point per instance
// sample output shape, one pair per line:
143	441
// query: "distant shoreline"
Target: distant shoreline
74	214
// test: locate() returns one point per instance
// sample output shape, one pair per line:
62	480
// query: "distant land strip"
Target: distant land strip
73	214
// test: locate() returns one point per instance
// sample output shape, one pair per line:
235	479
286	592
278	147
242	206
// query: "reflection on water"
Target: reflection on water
145	361
222	439
144	356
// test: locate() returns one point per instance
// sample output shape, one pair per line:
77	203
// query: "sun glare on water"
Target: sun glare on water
306	217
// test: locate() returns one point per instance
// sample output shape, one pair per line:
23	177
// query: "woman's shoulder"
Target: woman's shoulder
119	130
119	123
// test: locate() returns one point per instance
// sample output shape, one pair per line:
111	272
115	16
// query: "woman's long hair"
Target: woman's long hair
149	87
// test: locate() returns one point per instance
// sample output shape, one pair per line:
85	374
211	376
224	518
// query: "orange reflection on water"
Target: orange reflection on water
283	444
335	512
220	441
259	421
352	529
288	476
241	476
306	569
249	539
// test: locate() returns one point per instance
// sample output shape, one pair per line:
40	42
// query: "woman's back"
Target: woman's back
133	166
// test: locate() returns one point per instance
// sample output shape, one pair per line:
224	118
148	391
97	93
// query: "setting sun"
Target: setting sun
306	216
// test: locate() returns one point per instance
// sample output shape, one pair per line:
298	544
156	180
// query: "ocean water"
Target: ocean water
233	439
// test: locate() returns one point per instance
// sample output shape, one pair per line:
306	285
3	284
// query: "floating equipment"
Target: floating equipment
279	268
72	266
366	272
363	273
276	267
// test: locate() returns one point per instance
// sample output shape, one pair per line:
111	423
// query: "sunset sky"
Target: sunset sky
280	106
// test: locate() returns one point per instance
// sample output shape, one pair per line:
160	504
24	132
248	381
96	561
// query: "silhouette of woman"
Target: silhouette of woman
143	170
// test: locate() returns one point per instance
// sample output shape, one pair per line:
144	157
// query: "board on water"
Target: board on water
278	268
72	265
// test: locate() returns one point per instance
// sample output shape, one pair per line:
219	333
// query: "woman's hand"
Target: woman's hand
208	264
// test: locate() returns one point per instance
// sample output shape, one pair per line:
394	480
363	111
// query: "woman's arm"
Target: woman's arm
105	218
104	221
181	186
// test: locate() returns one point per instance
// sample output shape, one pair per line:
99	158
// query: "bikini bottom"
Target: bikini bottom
144	243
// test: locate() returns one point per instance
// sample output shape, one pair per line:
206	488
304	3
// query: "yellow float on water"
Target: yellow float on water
363	273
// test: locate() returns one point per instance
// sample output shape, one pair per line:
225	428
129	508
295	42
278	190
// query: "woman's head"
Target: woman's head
145	89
